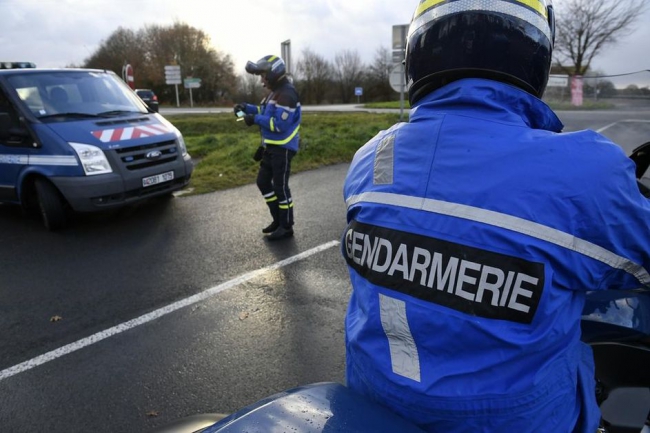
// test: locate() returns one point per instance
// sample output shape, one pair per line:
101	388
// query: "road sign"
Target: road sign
399	42
358	91
127	75
285	53
192	83
173	74
399	36
397	79
558	81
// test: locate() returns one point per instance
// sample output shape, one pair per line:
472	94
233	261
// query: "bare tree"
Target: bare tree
122	46
249	89
151	48
587	27
191	49
348	73
378	76
314	76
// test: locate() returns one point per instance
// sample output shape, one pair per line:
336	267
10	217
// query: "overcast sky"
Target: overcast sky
56	33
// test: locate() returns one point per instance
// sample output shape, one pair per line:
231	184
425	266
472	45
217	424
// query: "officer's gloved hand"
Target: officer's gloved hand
249	119
259	153
239	107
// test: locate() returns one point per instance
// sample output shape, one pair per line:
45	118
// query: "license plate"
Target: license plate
158	178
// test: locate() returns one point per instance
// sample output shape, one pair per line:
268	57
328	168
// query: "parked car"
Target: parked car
149	98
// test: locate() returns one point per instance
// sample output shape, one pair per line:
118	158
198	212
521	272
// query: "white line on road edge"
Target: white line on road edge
80	344
600	131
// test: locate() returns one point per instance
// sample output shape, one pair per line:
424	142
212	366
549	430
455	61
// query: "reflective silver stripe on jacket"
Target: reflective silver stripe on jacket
403	351
509	222
64	160
384	160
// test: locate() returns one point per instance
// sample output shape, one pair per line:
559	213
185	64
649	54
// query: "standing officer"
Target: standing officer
476	228
278	117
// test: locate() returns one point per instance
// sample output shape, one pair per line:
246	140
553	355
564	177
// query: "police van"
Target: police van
80	140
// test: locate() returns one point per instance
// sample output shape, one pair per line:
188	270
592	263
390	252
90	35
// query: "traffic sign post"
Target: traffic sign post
192	83
396	78
358	91
397	81
173	76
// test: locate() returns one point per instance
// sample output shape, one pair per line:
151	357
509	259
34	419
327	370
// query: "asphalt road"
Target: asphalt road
259	334
129	320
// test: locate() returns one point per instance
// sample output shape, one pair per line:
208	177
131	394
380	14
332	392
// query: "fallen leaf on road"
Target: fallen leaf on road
152	413
55	318
243	315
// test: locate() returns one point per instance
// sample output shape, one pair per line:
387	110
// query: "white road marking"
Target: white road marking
84	342
600	131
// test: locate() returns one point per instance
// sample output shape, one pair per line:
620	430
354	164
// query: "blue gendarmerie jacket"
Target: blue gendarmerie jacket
474	231
279	116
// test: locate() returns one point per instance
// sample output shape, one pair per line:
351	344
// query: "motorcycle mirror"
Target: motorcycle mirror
641	157
626	408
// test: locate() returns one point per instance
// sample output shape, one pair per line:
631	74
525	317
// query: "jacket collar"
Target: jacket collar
281	82
493	99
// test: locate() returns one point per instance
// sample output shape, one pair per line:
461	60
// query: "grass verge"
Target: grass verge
223	148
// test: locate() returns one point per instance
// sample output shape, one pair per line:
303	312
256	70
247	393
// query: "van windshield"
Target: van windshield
75	93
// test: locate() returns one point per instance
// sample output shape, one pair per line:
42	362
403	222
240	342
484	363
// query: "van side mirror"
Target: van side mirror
10	133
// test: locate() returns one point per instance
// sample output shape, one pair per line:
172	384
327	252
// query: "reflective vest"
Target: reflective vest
474	231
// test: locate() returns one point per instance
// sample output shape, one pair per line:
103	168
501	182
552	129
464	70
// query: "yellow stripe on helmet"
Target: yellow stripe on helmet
426	4
537	5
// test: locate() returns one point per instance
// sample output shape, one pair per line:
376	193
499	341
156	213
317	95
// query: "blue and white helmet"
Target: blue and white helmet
505	40
272	66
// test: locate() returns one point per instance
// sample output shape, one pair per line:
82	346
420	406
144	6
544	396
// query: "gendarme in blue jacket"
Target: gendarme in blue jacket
279	116
474	231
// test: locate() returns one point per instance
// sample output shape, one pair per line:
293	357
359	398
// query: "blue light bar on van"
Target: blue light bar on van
16	65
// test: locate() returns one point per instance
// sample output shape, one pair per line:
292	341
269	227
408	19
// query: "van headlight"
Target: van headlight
181	144
92	159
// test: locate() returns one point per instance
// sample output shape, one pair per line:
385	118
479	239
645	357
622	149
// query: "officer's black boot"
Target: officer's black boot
275	214
280	233
271	227
285	223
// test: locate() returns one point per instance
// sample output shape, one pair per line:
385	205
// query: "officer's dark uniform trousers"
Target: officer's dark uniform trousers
272	180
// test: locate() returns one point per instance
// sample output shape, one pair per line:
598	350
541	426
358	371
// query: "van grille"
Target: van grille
150	155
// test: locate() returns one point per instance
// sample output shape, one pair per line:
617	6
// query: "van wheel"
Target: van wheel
51	205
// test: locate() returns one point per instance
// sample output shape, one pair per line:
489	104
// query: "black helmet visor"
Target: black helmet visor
254	68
